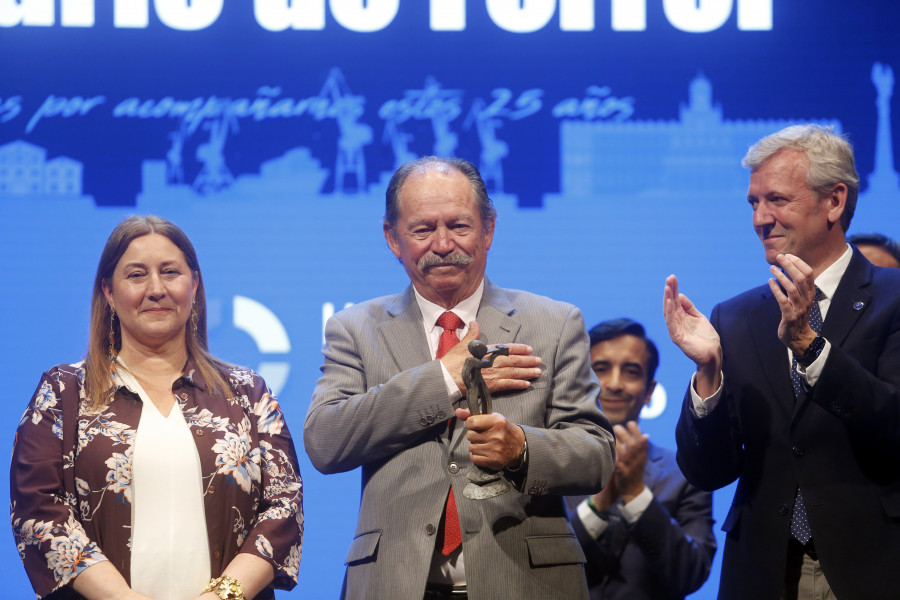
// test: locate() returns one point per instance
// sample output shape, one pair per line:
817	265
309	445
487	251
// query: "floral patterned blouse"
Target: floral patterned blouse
71	486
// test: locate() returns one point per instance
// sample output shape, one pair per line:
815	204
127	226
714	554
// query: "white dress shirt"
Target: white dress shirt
596	524
448	569
170	546
466	310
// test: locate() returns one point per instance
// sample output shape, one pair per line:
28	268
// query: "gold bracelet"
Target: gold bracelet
226	587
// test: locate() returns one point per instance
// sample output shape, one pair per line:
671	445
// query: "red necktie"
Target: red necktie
452	533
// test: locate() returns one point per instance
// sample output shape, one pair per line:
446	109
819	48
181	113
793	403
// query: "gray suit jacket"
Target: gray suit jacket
381	403
666	553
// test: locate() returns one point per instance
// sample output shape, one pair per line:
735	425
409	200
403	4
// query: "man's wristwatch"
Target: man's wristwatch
523	458
226	587
812	353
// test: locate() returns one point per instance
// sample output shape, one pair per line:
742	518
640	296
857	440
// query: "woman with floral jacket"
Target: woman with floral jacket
152	469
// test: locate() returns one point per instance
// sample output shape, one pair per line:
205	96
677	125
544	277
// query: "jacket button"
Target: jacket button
783	510
430	419
797	450
453	467
199	432
217	554
211	489
423	421
430	529
441	415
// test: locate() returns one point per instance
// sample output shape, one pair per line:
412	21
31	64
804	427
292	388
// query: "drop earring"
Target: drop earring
112	333
194	318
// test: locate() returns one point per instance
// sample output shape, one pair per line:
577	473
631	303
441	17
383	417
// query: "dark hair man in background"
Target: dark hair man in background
881	250
797	389
648	534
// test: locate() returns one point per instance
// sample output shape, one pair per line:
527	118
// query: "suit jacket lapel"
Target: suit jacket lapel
402	333
495	316
497	326
847	306
404	336
771	353
850	300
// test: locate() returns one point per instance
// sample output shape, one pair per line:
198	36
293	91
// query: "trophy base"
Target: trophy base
485	484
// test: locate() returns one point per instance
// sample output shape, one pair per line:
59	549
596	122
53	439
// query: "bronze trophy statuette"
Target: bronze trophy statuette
483	483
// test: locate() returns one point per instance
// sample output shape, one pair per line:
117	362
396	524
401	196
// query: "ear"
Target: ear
392	242
194	285
489	234
107	291
649	392
836	202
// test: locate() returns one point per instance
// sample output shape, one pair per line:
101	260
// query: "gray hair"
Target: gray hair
439	163
830	160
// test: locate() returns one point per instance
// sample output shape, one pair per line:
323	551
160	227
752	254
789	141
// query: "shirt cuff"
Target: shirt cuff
632	511
814	371
452	389
593	523
703	406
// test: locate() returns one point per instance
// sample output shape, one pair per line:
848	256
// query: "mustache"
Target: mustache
433	260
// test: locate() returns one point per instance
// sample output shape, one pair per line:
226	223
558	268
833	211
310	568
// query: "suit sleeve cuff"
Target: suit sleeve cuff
814	371
703	406
452	389
632	511
593	523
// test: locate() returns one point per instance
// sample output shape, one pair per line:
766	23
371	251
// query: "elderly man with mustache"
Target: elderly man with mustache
391	399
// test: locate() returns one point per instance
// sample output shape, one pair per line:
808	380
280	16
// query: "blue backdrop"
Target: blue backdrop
609	132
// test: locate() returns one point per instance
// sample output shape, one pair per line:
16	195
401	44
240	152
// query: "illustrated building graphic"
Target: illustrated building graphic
700	150
25	170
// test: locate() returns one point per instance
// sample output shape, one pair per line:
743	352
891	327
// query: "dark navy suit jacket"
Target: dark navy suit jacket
840	443
666	553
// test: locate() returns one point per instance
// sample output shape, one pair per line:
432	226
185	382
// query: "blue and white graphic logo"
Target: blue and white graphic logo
270	337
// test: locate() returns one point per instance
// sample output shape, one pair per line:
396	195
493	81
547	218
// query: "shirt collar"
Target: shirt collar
828	280
190	375
466	310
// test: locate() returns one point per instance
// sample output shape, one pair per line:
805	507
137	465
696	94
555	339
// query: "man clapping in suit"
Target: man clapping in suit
797	389
648	534
391	400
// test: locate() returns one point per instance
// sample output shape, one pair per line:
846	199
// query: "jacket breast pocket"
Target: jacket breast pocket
549	550
364	547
